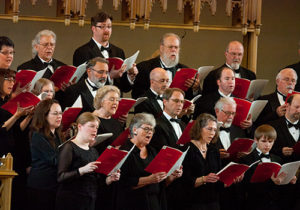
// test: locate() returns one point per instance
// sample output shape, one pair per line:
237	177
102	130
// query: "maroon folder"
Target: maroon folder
69	116
115	62
264	171
125	105
241	87
24	99
181	76
240	145
63	74
122	138
24	77
185	136
230	172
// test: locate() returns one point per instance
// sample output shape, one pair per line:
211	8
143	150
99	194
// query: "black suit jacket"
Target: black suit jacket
269	112
150	105
296	67
37	65
206	104
210	81
284	139
164	134
91	50
73	92
142	81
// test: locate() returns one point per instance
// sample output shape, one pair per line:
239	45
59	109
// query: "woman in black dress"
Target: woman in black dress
106	103
78	183
200	188
45	139
138	189
13	138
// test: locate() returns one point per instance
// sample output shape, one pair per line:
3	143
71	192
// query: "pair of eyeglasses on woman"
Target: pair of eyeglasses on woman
147	129
10	79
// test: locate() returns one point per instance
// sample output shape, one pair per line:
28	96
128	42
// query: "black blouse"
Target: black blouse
149	197
194	166
71	158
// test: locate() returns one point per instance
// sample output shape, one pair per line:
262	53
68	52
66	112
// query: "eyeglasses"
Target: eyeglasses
45	45
48	91
147	129
10	79
172	46
162	81
235	54
104	27
55	113
228	113
99	71
177	101
7	52
289	80
112	99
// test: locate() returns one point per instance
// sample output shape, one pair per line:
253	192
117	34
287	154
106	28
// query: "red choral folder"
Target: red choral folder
296	148
264	171
24	77
240	145
125	105
230	172
24	99
185	136
121	139
241	87
62	74
164	160
242	110
69	116
181	76
289	94
186	104
114	61
111	160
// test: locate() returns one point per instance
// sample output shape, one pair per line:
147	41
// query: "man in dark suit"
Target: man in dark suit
159	82
296	67
97	70
168	127
226	84
99	46
234	56
169	60
43	47
276	107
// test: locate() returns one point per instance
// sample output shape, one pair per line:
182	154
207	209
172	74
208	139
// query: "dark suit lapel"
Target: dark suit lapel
274	102
95	49
286	133
87	95
169	128
153	101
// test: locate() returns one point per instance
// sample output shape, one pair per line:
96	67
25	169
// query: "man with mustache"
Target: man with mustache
43	46
286	80
97	71
99	46
168	59
159	82
234	55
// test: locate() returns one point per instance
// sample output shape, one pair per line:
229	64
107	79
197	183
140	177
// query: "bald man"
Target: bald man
159	82
286	80
234	55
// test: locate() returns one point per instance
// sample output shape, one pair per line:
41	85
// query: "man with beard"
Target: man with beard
43	46
159	82
99	46
6	52
97	71
234	55
168	127
286	80
169	60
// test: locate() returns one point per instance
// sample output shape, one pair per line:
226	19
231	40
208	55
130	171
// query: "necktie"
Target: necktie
175	120
46	64
225	129
92	86
284	97
104	48
237	71
262	155
159	98
289	125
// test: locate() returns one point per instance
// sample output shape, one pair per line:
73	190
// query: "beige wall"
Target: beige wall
277	45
